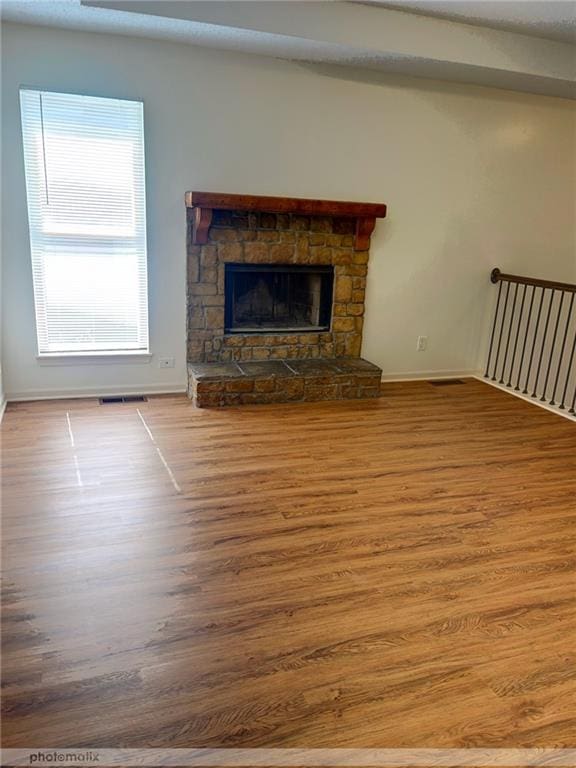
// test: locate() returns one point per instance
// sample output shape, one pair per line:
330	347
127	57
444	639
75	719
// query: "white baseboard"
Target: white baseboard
526	398
79	392
163	389
426	375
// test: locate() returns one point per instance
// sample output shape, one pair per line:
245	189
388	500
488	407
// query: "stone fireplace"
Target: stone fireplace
276	279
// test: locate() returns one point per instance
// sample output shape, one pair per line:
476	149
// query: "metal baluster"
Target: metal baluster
568	372
516	340
509	334
561	357
525	390
493	331
572	410
517	387
501	330
543	342
543	398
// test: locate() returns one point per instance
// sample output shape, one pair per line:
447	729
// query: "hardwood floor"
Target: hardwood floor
393	573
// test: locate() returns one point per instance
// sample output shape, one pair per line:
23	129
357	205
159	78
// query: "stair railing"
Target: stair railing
533	340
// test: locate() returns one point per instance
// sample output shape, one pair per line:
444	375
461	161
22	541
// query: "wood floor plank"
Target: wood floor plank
370	574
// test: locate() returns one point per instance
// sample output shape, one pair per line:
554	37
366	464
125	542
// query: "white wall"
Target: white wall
2	395
474	178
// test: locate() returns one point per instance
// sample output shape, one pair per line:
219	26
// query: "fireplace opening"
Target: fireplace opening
263	298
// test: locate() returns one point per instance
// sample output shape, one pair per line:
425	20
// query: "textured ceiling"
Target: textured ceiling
551	19
360	35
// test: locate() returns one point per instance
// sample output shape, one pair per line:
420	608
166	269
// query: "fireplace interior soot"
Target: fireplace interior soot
263	298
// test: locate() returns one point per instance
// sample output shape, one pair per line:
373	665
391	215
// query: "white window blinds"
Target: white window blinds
84	162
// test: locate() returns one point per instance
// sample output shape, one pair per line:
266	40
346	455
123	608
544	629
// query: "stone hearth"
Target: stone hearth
281	235
282	381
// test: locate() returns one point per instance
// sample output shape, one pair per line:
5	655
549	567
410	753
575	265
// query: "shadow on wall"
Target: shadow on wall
436	84
446	286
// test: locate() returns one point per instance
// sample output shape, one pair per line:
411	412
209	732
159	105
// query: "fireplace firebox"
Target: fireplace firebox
268	298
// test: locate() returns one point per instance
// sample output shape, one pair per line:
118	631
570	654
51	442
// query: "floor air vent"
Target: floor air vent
123	399
445	382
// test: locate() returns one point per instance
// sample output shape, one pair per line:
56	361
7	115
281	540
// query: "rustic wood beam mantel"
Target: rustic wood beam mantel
203	203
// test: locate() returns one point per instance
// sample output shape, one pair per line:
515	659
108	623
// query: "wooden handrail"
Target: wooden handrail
497	276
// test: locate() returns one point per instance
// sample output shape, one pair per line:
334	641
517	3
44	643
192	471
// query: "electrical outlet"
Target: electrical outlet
422	344
165	362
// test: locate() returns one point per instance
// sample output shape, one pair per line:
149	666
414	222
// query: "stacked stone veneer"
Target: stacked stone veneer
268	238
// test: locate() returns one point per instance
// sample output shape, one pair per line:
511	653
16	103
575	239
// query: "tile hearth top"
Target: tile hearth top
281	368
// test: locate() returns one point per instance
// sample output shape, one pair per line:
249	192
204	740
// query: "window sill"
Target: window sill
95	358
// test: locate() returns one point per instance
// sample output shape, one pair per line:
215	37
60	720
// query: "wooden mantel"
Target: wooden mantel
203	203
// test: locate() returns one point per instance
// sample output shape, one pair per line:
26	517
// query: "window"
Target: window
84	162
